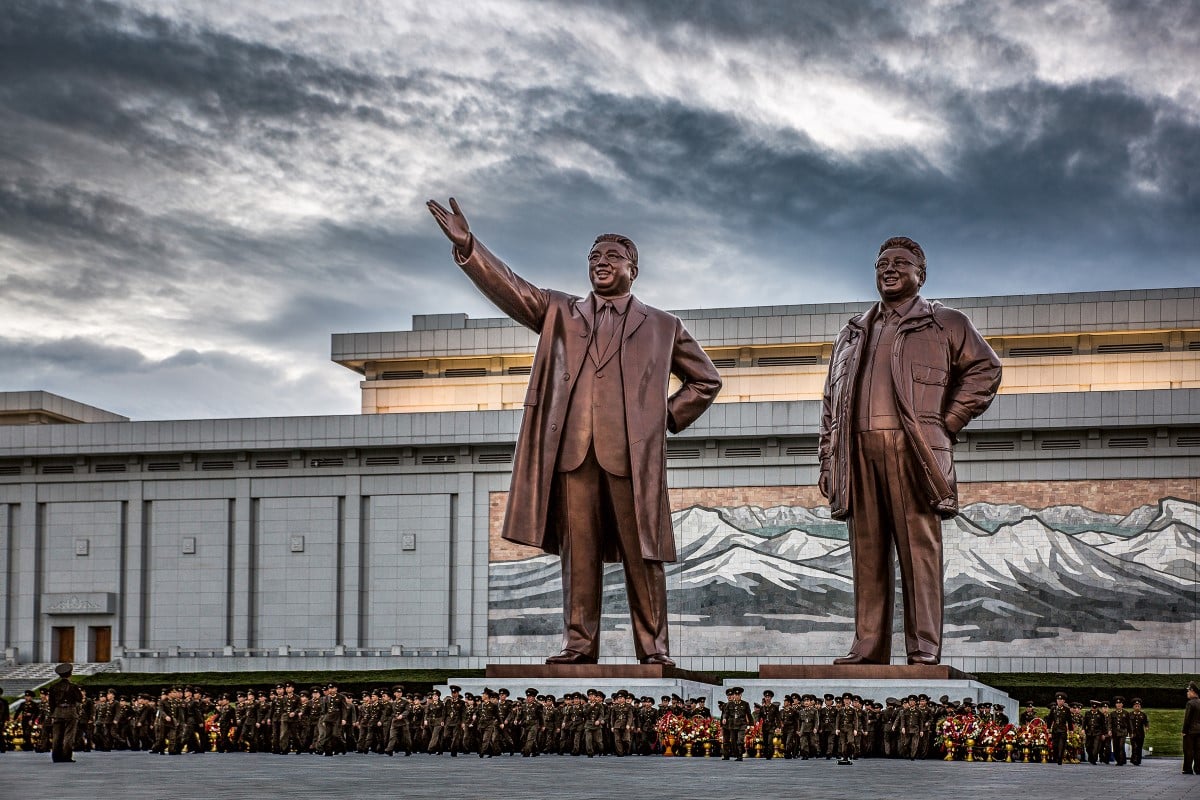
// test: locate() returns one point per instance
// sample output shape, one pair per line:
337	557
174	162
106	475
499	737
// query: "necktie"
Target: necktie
606	328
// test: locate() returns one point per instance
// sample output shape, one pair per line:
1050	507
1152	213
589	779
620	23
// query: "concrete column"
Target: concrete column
27	579
352	566
135	575
240	561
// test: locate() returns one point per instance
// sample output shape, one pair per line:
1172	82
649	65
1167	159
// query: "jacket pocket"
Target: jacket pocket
930	375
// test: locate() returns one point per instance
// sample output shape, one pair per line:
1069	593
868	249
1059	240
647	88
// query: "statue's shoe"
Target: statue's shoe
571	657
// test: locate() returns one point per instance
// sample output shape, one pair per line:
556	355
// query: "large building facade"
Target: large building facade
372	541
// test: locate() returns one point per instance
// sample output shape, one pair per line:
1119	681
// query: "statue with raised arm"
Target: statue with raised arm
904	378
589	479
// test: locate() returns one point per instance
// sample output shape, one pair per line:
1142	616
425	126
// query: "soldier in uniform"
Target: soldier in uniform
736	717
911	726
1138	724
768	715
62	705
487	723
595	722
810	728
1058	720
789	724
846	729
1029	714
287	726
1095	730
31	709
622	722
399	735
828	718
333	719
645	733
456	720
1191	731
531	718
1119	722
890	723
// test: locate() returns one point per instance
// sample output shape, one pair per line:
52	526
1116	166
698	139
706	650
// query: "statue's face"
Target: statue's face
610	270
897	276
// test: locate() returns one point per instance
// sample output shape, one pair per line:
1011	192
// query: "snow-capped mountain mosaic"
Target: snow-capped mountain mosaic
776	581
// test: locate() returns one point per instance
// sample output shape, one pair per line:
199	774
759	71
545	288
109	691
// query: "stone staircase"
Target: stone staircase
16	678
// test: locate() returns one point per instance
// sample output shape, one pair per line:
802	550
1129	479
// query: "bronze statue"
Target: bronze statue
589	477
904	378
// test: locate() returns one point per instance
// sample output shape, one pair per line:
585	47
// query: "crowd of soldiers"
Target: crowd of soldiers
324	720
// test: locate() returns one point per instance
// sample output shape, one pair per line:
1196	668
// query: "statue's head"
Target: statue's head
612	265
899	269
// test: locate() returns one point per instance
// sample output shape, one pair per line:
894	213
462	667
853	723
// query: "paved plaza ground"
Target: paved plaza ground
134	776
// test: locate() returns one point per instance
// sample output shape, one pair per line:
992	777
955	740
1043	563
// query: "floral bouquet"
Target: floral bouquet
753	737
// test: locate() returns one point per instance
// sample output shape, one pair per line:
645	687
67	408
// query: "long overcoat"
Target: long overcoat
655	345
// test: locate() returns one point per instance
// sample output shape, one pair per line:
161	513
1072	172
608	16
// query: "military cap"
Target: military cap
531	692
968	702
847	695
123	699
675	697
1137	701
891	701
1000	706
985	704
314	688
923	696
225	696
944	699
1191	687
437	692
64	669
279	686
1060	695
454	688
503	692
828	696
331	685
286	684
550	697
1029	704
732	690
1077	704
665	698
1119	699
701	700
600	694
768	693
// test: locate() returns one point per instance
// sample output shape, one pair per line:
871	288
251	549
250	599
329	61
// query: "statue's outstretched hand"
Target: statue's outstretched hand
452	222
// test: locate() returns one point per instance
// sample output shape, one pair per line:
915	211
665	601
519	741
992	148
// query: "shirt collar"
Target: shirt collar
620	304
900	311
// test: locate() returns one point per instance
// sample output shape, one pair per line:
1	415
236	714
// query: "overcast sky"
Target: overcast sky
195	195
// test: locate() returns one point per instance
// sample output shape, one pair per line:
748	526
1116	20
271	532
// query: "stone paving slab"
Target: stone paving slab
141	776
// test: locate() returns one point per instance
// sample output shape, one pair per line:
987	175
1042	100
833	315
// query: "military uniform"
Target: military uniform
809	732
62	705
736	718
1058	720
1138	725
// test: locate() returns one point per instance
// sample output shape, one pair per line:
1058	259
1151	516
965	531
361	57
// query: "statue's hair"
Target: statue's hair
907	244
624	241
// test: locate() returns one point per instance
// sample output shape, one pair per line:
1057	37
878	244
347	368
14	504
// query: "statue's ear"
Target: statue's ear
633	270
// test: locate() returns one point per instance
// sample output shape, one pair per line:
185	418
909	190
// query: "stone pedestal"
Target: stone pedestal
558	679
873	681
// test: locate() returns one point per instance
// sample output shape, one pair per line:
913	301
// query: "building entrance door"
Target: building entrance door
100	643
63	643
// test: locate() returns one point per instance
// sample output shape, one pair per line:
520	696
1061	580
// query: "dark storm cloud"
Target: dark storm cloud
78	65
56	215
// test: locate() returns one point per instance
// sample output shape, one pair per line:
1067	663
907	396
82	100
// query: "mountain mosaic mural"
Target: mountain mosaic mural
1062	581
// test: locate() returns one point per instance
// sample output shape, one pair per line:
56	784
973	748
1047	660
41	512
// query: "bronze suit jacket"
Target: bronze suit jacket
655	346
